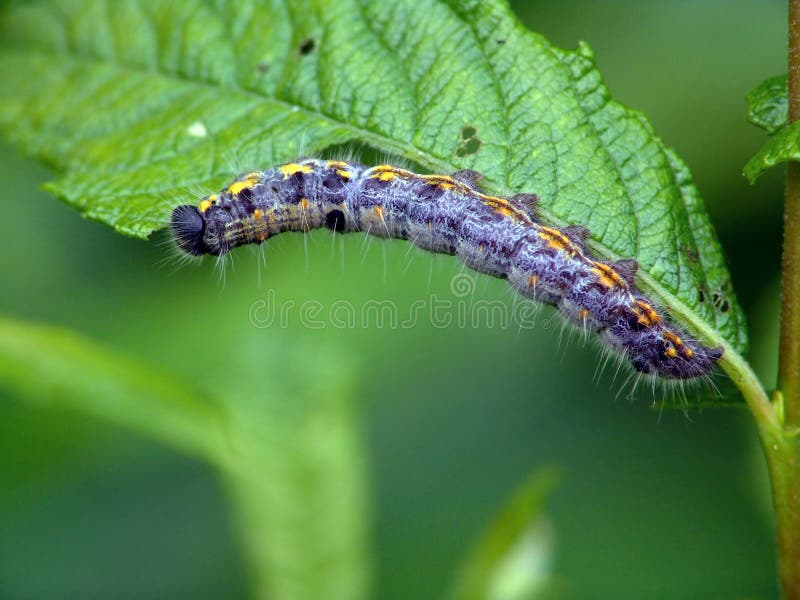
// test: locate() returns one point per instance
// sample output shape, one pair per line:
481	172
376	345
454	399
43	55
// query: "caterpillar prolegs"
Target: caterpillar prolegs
449	214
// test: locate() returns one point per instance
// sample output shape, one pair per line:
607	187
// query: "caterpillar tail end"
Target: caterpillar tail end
690	360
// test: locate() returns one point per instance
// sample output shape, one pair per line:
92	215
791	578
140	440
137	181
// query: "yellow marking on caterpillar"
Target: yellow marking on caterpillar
388	172
378	210
688	352
647	317
337	164
292	168
442	181
343	173
304	203
673	338
204	205
213	198
258	214
552	241
237	186
437	178
608	276
602	278
556	239
504	210
250	180
671	352
654	318
500	205
555	233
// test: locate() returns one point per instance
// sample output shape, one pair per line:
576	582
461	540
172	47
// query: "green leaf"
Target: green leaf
782	147
768	108
768	104
512	558
289	455
136	103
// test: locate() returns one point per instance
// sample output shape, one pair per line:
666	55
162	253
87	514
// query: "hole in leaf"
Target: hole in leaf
471	146
307	46
468	132
720	301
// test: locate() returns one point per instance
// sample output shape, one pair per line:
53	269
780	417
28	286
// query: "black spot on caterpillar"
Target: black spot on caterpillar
449	214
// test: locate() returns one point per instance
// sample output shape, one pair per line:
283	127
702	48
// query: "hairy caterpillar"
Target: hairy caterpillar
498	236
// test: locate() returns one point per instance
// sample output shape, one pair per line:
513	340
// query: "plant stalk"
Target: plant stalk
789	367
783	460
779	437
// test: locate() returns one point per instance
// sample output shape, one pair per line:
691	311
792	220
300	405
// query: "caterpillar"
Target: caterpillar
498	236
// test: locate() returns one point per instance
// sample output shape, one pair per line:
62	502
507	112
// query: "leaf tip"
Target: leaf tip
585	50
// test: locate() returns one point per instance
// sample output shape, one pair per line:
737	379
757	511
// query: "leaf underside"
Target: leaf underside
782	147
768	108
142	105
768	104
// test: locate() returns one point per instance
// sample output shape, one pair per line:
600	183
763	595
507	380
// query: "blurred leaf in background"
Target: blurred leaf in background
287	450
512	559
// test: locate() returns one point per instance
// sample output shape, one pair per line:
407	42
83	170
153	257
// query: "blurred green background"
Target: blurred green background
649	504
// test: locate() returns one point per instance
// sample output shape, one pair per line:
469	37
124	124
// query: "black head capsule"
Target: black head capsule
188	227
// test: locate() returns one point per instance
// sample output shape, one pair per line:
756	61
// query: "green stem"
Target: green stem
779	436
783	460
782	450
789	367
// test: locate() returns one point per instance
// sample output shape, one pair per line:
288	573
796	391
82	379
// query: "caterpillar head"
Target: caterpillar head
188	227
